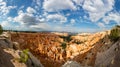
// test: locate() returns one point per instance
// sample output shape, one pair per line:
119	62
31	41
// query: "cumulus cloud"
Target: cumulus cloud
57	5
45	14
79	2
101	25
4	9
93	10
57	18
64	28
26	18
43	26
31	10
72	29
8	23
72	21
38	2
112	17
5	23
97	8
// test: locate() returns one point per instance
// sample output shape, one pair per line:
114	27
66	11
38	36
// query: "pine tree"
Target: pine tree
115	33
1	29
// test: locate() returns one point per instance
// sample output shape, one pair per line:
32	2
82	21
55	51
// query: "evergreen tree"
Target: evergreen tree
1	29
115	33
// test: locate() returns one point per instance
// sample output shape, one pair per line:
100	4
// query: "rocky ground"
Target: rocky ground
10	55
81	50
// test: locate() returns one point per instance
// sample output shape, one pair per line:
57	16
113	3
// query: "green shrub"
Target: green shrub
24	56
115	33
1	29
66	38
78	42
64	45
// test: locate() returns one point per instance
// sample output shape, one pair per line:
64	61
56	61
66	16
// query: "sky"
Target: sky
59	15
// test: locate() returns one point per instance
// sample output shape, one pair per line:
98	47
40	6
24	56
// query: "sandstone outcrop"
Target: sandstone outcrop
71	64
9	55
83	48
110	57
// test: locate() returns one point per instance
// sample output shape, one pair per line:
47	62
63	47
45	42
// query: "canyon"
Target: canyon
54	49
47	47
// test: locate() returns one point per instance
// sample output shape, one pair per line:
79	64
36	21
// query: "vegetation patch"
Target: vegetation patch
64	45
24	56
115	33
66	38
1	29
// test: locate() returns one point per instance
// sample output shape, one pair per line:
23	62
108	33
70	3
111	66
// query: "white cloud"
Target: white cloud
45	14
64	28
79	2
26	18
28	21
42	19
8	25
38	2
21	7
4	9
97	8
112	17
31	10
72	21
68	14
7	22
56	5
73	29
43	26
4	23
57	18
10	19
100	24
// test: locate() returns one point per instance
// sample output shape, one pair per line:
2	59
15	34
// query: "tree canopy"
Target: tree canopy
1	29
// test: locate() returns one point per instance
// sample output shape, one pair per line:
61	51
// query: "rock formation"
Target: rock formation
85	49
110	57
9	55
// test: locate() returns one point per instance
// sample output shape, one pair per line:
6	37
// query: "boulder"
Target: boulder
5	43
16	45
71	64
110	57
33	61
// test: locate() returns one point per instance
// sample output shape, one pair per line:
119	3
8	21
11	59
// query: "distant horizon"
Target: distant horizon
59	15
51	31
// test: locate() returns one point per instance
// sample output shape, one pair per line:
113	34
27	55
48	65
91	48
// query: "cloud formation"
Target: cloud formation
31	10
57	18
57	5
65	15
97	8
72	21
112	17
4	9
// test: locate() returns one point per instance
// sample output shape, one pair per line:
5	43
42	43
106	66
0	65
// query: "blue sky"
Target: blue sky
60	15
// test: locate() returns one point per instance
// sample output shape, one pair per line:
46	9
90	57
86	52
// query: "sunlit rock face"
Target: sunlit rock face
10	55
47	47
87	42
109	57
71	64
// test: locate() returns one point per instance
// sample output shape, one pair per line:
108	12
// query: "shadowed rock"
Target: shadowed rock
5	59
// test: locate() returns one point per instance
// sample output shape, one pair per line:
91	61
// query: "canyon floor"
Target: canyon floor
53	49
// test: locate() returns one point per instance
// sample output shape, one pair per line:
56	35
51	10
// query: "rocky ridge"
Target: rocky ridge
10	57
47	47
82	50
